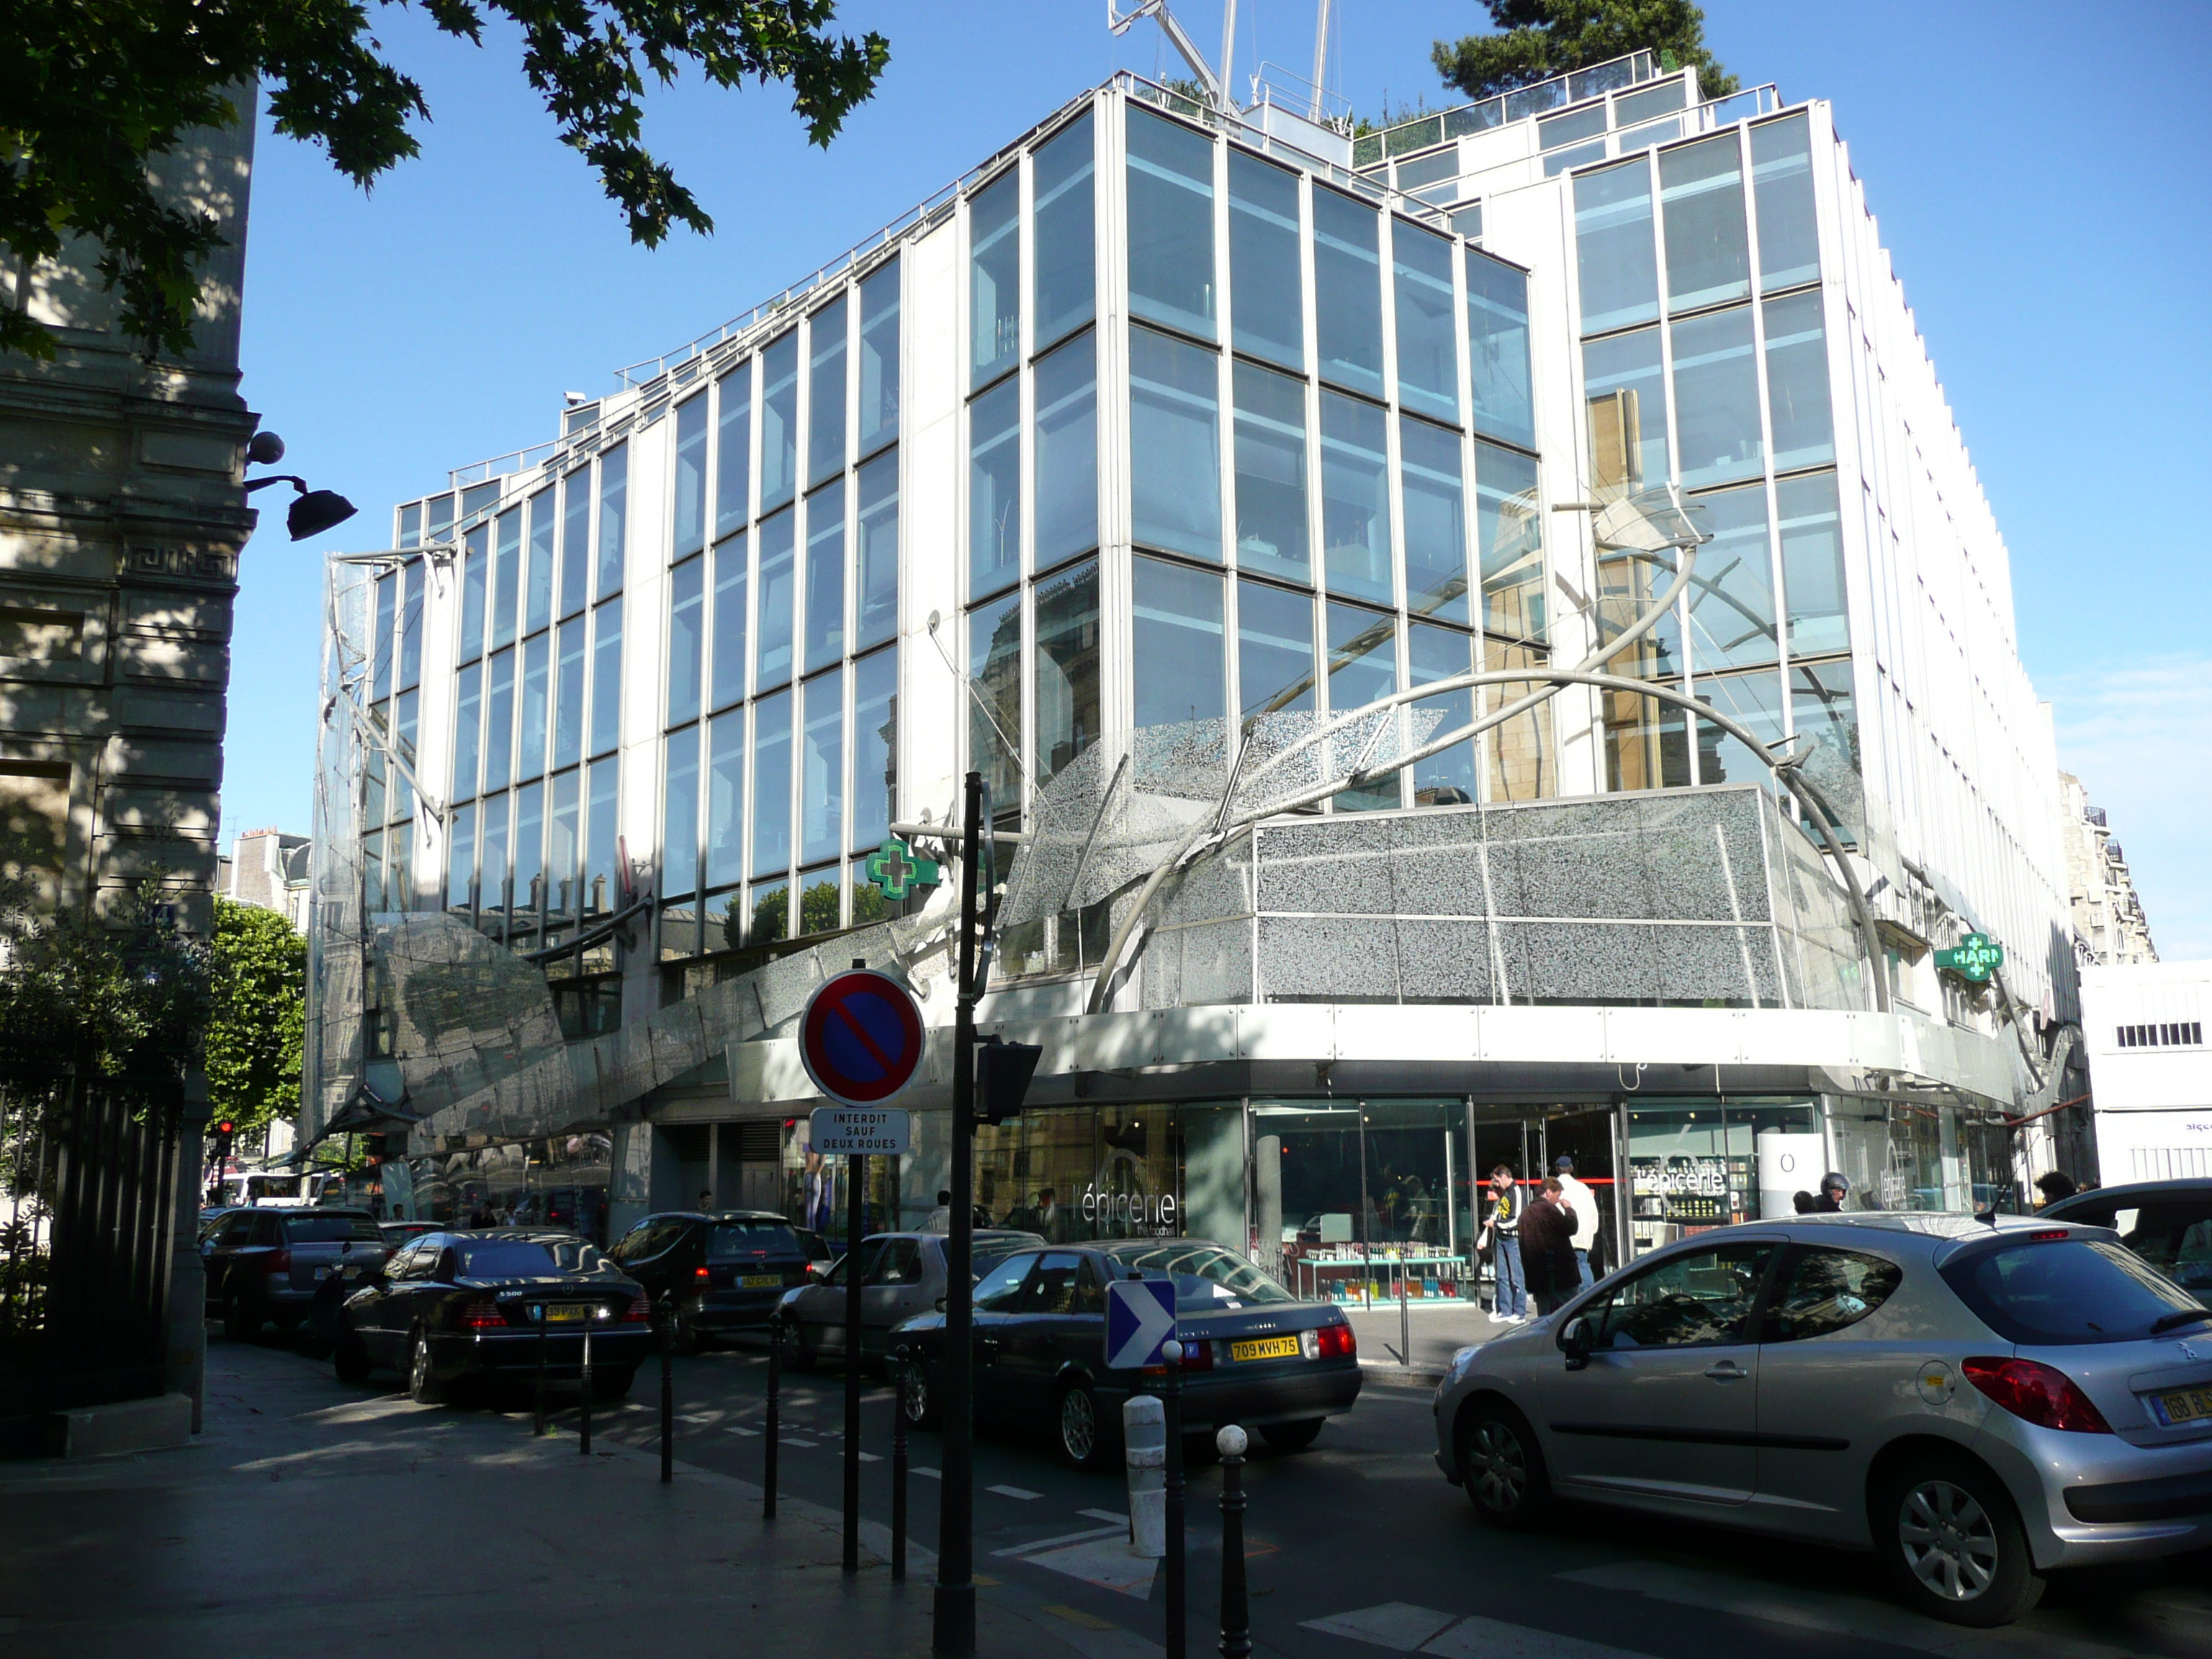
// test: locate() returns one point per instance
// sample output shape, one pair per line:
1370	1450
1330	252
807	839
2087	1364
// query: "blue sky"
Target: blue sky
2040	181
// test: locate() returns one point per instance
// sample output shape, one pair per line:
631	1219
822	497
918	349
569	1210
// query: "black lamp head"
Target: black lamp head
316	511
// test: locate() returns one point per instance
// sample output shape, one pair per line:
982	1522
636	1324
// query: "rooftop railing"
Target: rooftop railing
1534	98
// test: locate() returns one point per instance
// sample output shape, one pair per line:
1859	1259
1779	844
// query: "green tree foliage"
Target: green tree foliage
133	995
93	91
259	1017
1544	38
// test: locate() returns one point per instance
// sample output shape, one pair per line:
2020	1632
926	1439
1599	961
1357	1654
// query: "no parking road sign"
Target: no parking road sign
861	1038
1141	1315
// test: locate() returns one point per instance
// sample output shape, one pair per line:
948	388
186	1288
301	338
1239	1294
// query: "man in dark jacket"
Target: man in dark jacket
1548	1250
1834	1187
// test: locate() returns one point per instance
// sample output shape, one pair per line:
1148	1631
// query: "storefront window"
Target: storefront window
1708	1163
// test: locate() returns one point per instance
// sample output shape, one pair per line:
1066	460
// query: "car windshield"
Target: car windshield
2065	1291
731	1238
528	1258
1206	1275
330	1229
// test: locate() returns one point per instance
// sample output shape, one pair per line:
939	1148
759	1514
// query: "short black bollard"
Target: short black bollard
901	1358
667	1393
1236	1606
1178	1631
769	1434
539	1425
584	1444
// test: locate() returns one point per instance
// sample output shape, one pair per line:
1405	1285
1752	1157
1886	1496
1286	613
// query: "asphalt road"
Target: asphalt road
1357	1544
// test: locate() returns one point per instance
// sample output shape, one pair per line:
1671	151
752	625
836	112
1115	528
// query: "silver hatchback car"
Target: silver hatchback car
1978	1403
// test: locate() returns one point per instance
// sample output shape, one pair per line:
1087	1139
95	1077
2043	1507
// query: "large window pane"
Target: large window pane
1508	533
1363	665
468	723
1701	198
406	718
602	884
1428	335
614	518
1821	708
994	489
875	748
564	845
1717	398
410	627
825	576
1797	382
499	719
1355	498
1347	292
1752	700
568	693
1181	671
1438	653
575	540
1272	534
507	576
1435	520
680	823
538	587
461	861
1517	755
726	797
778	592
1066	388
386	605
531	709
772	784
1498	350
1813	565
1732	597
1266	274
607	677
879	358
734	448
731	573
1274	649
691	524
1614	262
825	391
779	421
1059	181
994	712
1170	224
1175	445
475	576
994	278
1067	669
822	768
529	849
687	605
1626	386
1647	744
877	600
1782	190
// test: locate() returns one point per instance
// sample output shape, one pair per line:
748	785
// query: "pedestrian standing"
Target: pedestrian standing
1548	1251
1583	1202
2054	1186
1501	1232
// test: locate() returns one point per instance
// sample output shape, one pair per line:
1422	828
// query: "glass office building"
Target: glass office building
1168	457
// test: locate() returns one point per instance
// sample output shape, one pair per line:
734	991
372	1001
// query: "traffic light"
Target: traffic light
1003	1071
223	1132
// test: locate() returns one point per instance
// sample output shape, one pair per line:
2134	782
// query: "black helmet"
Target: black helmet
1834	1182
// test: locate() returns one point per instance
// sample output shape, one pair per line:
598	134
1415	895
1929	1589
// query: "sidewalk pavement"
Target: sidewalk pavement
309	1521
1417	1349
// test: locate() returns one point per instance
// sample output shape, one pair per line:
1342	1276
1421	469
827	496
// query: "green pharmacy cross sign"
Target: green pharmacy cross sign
897	872
1977	957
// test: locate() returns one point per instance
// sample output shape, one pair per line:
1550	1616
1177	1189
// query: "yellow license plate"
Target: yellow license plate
761	1282
1266	1347
567	1313
2185	1404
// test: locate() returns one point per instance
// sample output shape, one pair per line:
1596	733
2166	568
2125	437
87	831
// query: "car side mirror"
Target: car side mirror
1574	1339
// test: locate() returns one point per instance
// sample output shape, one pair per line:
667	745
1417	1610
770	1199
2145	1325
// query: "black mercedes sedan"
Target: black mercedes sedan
1254	1355
460	1306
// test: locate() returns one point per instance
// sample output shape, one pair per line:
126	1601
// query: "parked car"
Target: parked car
724	1273
902	1274
485	1305
396	1233
1978	1401
2167	1223
262	1265
820	1258
1254	1355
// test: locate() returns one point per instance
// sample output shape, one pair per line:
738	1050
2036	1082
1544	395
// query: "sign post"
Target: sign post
1140	1334
953	1611
861	1040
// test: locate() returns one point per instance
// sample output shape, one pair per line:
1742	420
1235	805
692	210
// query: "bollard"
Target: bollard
901	1358
1405	1323
539	1425
769	1438
1236	1606
1178	1619
667	1391
584	1444
1145	1450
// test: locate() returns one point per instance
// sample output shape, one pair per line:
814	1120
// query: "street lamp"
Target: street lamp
313	511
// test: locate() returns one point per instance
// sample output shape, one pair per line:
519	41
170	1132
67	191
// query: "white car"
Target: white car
1978	1402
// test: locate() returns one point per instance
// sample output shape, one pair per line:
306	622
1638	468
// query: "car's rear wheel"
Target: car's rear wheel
917	1398
350	1359
1953	1543
422	1385
791	1339
612	1381
1080	1436
1502	1466
240	1323
1291	1436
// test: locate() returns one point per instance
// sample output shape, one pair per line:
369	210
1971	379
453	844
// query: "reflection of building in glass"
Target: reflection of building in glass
1156	471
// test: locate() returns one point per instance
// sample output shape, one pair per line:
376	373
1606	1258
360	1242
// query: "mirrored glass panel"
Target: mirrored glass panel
825	391
468	729
475	581
614	518
1272	534
602	890
575	540
1175	445
1797	382
1267	271
875	748
534	705
1355	498
1438	653
1059	181
1497	350
1181	668
994	712
1067	710
778	595
1813	565
1347	292
461	861
691	526
733	449
1701	200
564	846
1616	265
1065	386
731	573
1428	335
1626	384
1732	621
606	676
1363	666
1751	701
772	784
568	692
1782	190
1717	398
876	600
499	720
726	797
679	820
879	358
507	576
995	279
687	616
1171	208
1509	536
779	421
1274	649
825	576
529	888
538	584
994	489
821	767
1435	520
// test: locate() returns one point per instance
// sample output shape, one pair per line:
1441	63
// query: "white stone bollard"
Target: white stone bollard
1145	1447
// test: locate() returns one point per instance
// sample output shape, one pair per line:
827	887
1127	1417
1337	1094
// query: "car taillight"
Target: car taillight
701	1274
483	1314
2037	1393
280	1261
1198	1356
641	1312
1336	1342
